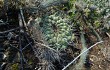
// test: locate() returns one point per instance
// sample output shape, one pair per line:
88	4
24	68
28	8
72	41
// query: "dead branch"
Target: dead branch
80	55
4	32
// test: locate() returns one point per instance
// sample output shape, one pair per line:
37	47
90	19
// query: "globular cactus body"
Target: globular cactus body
57	31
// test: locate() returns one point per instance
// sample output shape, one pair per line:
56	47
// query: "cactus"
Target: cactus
57	31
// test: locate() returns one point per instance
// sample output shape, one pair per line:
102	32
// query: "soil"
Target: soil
100	56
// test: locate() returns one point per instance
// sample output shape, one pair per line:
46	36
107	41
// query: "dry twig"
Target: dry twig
80	55
46	46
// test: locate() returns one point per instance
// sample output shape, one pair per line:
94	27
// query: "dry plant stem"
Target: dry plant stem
22	16
47	46
80	55
83	56
91	27
19	51
97	35
26	46
14	47
20	42
4	32
30	44
22	59
25	35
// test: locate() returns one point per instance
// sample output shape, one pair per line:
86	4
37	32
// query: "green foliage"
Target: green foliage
15	66
57	31
97	24
71	8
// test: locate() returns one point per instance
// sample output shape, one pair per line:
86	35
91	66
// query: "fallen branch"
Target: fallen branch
9	30
80	55
22	17
20	41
